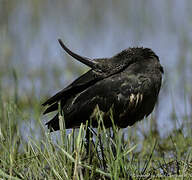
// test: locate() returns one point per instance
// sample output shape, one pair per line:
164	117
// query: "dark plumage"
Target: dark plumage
129	82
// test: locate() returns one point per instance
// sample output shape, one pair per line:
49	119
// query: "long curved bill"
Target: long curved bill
84	60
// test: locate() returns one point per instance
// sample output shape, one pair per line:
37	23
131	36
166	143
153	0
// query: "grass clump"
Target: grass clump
115	154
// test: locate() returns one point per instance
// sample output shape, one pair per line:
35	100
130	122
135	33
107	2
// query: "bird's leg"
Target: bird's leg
101	147
114	130
89	144
113	137
112	144
102	152
88	134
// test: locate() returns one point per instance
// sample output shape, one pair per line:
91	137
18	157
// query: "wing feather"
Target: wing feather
106	93
78	85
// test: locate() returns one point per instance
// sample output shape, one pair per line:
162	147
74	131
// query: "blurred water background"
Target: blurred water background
34	67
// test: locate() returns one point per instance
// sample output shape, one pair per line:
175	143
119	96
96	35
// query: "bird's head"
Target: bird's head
137	55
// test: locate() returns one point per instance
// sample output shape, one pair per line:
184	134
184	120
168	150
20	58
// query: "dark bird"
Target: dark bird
128	82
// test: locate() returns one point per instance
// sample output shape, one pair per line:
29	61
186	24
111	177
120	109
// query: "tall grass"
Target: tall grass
113	153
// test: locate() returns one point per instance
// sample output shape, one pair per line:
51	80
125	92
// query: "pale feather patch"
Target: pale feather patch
131	98
135	100
131	101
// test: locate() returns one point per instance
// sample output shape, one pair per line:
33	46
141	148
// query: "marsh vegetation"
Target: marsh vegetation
33	67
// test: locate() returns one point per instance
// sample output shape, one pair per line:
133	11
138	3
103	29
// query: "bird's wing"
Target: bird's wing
78	85
122	92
